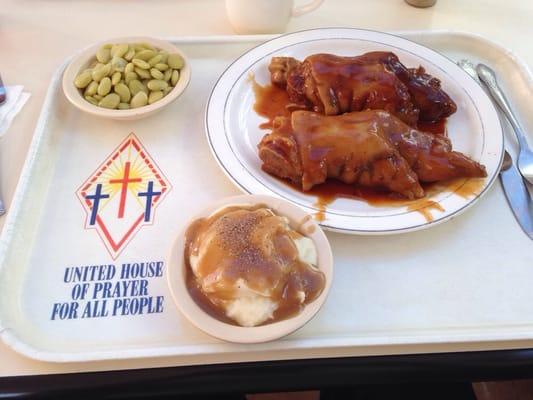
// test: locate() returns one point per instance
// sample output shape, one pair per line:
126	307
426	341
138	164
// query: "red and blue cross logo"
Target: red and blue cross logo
122	194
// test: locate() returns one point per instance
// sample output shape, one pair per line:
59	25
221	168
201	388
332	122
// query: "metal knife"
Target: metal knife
513	184
517	194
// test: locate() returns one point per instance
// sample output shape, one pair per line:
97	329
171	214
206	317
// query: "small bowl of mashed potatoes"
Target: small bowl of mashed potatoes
250	269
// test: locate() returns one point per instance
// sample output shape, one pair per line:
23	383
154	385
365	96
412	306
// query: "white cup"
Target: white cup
265	16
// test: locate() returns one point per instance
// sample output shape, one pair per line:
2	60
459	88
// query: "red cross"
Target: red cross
124	191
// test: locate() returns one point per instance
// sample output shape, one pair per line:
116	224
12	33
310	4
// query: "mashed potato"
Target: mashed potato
252	266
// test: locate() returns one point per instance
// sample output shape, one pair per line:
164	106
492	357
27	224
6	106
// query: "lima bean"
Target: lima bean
145	55
91	89
175	77
116	78
103	55
83	79
118	64
156	84
104	87
167	75
140	63
101	72
156	74
164	56
124	92
111	101
145	45
129	76
130	54
91	100
139	100
118	50
161	67
129	68
175	61
155	60
137	86
155	96
123	106
143	73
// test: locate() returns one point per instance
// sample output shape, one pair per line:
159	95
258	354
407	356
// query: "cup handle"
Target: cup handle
297	11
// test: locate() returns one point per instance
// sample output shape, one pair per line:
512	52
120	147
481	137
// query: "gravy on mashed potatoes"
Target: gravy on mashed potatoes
246	266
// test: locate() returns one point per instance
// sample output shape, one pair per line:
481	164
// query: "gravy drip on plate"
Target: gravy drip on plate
470	187
270	102
253	245
331	190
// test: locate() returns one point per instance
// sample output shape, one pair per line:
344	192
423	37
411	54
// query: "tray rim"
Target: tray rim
10	338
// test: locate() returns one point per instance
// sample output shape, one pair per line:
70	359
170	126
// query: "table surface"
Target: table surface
41	34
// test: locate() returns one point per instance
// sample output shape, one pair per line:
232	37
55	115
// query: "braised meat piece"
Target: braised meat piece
333	85
425	90
370	148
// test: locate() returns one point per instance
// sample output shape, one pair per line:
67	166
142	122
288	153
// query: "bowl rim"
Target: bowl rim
81	59
175	274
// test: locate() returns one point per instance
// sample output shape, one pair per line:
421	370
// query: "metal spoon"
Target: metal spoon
470	69
525	156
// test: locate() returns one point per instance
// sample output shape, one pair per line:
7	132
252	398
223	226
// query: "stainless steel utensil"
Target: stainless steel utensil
525	155
512	181
3	93
470	69
3	98
517	195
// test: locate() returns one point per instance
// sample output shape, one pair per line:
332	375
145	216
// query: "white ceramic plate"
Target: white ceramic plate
238	334
233	132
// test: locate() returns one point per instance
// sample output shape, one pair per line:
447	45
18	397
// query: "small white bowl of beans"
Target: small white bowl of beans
126	78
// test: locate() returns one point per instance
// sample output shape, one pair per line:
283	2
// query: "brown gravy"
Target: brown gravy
202	300
270	102
237	251
424	207
468	188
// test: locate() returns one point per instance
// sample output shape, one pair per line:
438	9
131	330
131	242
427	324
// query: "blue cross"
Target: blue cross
96	197
148	194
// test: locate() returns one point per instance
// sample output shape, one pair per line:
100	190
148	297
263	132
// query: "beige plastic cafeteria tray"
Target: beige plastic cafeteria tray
468	280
